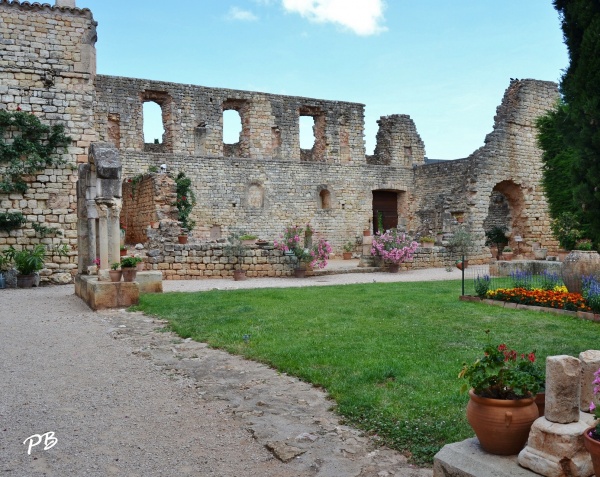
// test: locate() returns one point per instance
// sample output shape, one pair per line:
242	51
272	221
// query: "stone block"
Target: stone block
468	459
563	374
149	282
557	450
590	363
99	295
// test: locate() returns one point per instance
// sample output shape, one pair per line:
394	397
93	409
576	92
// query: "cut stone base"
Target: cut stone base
557	450
99	292
149	282
100	295
468	459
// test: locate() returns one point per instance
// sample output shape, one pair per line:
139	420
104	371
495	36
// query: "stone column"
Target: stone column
115	232
555	446
103	235
590	363
563	374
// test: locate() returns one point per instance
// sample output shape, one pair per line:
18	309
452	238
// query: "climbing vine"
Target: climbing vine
26	147
186	200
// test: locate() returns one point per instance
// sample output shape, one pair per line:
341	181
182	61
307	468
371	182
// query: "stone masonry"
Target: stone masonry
265	181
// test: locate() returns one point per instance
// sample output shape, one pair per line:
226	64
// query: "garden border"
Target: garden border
583	315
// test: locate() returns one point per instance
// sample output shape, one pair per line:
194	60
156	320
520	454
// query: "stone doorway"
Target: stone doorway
506	210
385	203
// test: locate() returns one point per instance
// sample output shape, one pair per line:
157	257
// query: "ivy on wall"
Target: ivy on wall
26	147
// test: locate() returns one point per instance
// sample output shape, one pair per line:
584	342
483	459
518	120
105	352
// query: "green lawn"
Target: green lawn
389	354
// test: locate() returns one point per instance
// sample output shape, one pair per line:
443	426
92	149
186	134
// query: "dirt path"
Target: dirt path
122	398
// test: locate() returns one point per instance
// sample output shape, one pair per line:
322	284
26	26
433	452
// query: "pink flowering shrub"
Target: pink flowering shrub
595	433
393	246
294	240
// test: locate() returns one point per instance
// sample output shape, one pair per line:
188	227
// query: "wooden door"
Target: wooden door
386	203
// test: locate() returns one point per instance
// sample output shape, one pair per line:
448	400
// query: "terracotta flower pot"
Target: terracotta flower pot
508	256
459	265
593	447
393	267
182	239
347	255
129	274
501	425
299	272
115	275
123	252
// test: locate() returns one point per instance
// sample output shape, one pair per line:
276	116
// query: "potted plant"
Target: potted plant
496	237
115	273
591	436
502	387
461	243
122	251
348	248
129	268
427	241
27	262
584	245
248	239
507	253
394	247
308	253
236	250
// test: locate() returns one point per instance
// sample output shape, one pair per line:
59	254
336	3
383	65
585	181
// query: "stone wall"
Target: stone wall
147	200
509	163
262	197
265	181
193	121
47	67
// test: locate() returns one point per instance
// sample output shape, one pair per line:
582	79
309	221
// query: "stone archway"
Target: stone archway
506	209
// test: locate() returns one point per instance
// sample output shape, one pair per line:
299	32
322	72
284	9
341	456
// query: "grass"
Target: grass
389	354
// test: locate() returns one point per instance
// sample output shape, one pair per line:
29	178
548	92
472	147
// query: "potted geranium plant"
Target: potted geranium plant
591	436
298	241
502	383
394	247
348	248
115	273
427	241
129	268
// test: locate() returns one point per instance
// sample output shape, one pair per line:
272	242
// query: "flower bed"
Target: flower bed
547	298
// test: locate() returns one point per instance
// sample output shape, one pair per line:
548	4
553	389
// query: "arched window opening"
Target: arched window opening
232	126
153	123
307	133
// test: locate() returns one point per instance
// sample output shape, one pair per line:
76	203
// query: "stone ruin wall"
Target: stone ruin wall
509	163
270	187
147	200
265	181
47	67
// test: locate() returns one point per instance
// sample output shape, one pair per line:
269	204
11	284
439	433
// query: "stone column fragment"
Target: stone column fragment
590	363
563	374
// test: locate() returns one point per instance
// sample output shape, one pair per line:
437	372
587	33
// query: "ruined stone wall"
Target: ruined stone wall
509	163
47	65
147	200
398	142
262	197
193	121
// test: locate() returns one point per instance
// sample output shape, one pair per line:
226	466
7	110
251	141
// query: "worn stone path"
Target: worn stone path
123	397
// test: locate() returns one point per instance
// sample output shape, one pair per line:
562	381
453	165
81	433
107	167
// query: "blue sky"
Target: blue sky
444	63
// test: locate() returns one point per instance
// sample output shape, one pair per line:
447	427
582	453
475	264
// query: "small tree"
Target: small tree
186	200
235	248
462	242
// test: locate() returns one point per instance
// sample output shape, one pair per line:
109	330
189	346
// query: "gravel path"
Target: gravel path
123	398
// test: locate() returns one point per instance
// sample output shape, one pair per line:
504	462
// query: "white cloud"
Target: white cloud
236	13
363	17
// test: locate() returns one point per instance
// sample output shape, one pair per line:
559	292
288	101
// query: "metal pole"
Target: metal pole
463	274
